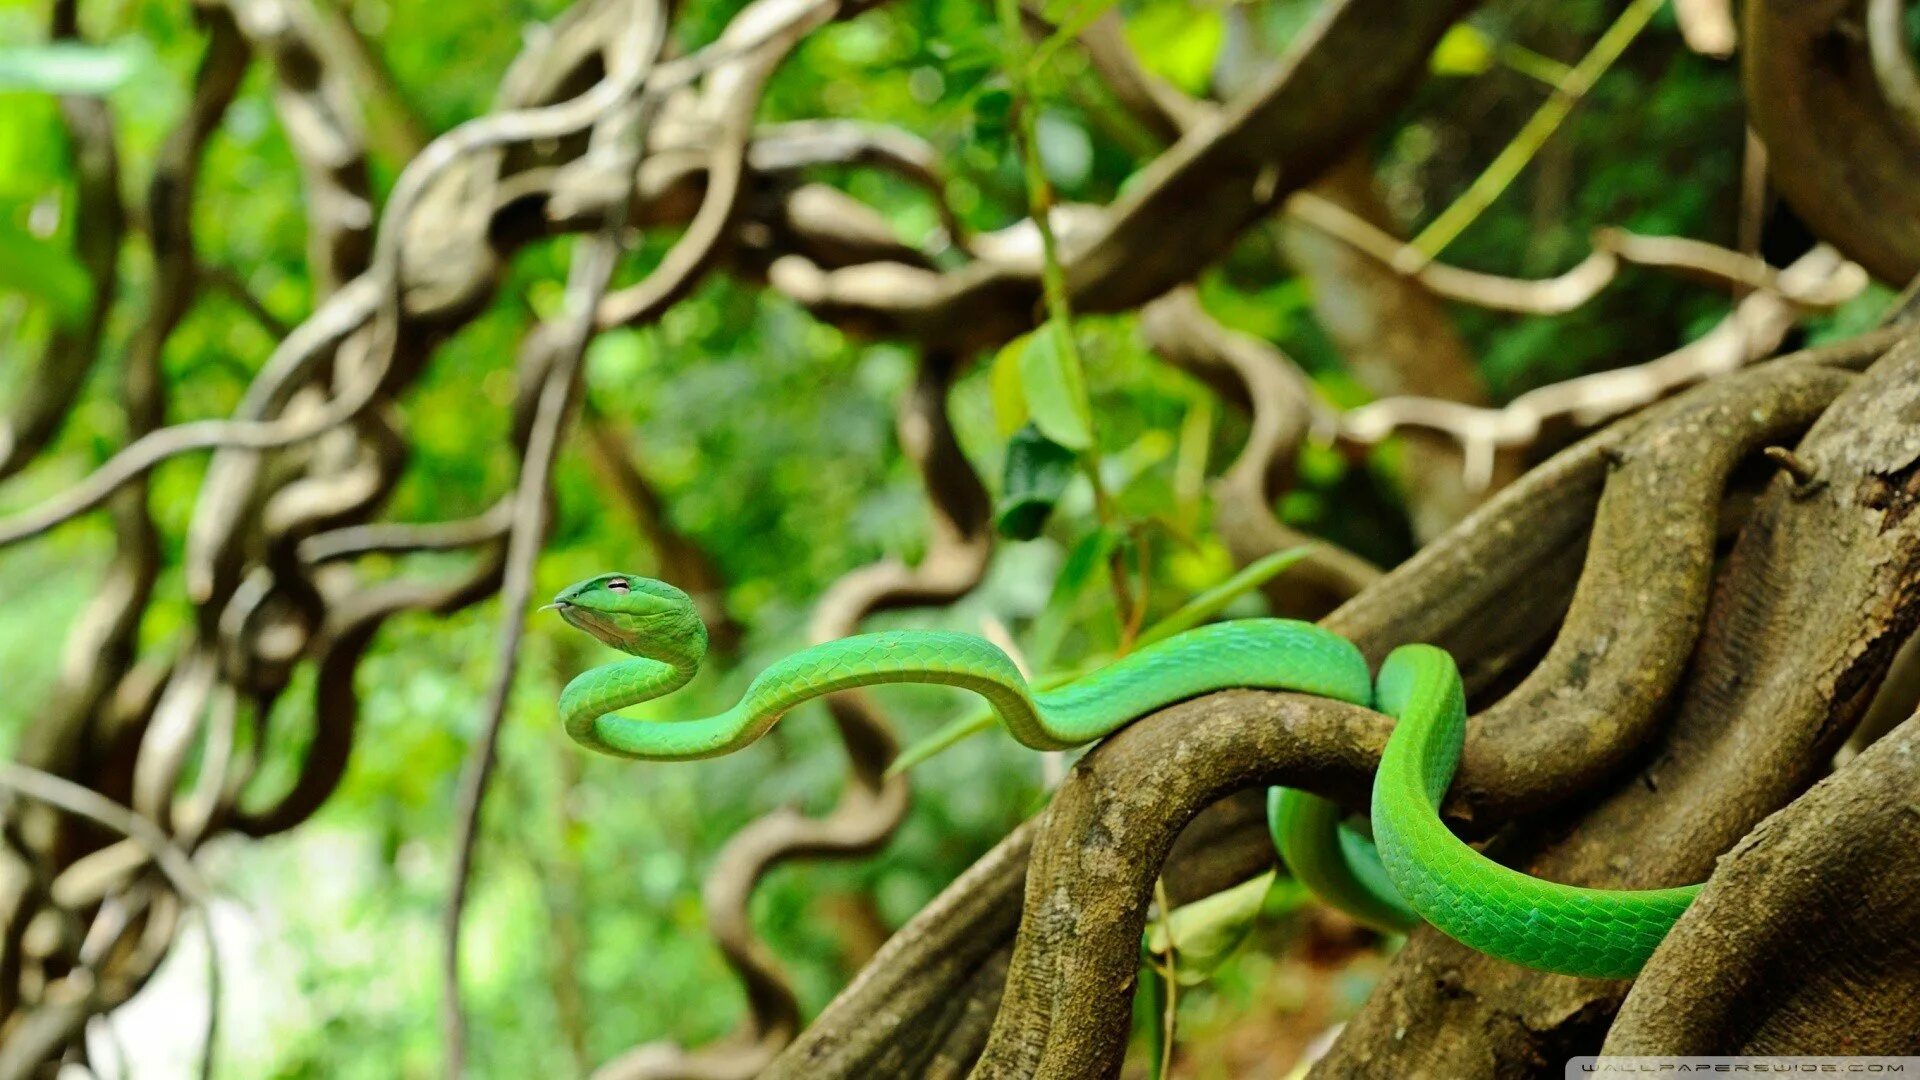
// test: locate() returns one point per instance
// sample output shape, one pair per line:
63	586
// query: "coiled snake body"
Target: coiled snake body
1413	868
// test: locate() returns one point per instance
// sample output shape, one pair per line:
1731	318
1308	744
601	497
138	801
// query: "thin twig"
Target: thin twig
594	261
1740	271
1538	129
593	268
229	283
1023	64
406	537
1169	1019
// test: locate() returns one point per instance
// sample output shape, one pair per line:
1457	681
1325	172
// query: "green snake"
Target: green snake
1411	868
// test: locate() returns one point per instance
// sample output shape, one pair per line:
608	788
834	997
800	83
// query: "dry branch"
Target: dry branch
1576	287
1350	67
1753	330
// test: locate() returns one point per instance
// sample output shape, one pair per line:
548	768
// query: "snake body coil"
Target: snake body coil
1412	868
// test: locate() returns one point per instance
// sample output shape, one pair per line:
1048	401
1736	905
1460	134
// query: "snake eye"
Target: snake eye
618	585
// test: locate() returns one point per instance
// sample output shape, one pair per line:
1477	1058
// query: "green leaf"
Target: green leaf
1035	475
1150	1013
1085	561
990	117
1084	569
1179	43
1463	50
1003	385
66	67
1056	388
946	736
43	270
1210	603
1204	933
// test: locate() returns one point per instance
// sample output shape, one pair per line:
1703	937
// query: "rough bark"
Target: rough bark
1806	939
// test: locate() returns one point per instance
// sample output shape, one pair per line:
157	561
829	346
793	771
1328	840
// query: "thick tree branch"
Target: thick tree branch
1345	73
1815	597
1804	941
1839	151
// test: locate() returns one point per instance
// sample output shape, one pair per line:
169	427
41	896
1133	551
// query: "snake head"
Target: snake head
636	615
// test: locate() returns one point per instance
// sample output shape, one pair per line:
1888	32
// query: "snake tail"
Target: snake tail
1337	864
